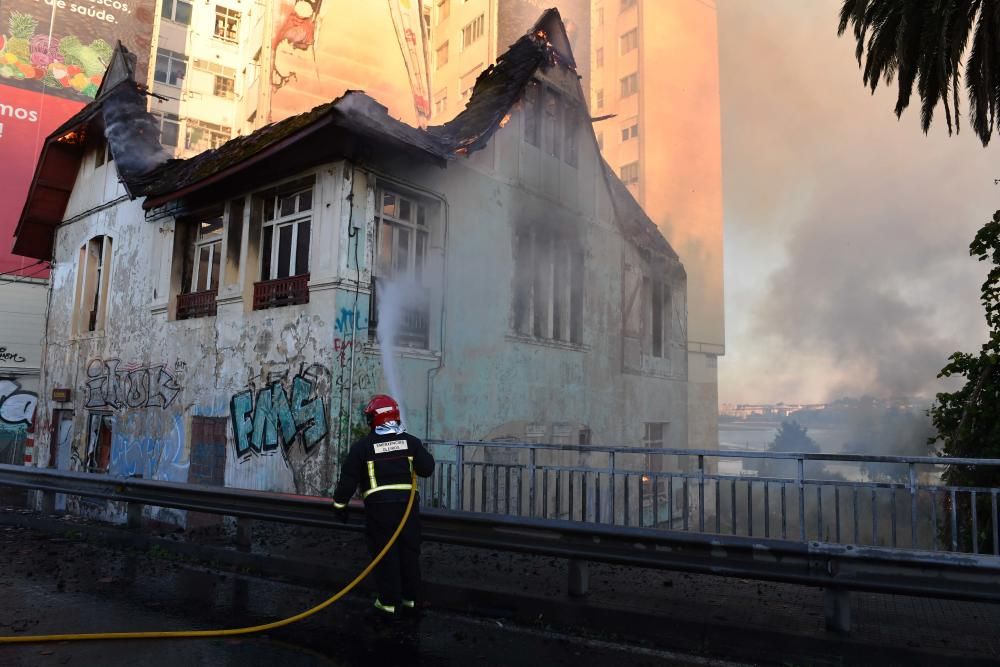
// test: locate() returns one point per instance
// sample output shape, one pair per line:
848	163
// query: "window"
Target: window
170	128
627	4
572	142
630	40
93	269
444	9
472	31
531	125
599	58
548	287
551	123
441	101
102	153
171	67
629	173
442	55
285	234
630	84
600	16
224	87
202	136
227	24
403	235
630	131
468	82
599	99
177	11
660	310
207	255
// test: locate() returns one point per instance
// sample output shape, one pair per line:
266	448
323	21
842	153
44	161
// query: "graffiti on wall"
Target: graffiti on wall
111	384
281	410
150	445
11	356
16	405
350	334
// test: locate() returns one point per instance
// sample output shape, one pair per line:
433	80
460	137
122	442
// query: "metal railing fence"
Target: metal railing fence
849	499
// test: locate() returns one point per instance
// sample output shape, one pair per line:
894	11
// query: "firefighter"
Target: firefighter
381	465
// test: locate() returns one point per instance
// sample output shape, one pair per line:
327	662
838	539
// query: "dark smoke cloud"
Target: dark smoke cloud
847	261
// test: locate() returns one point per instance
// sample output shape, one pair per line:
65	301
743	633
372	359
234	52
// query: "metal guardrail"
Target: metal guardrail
838	569
894	501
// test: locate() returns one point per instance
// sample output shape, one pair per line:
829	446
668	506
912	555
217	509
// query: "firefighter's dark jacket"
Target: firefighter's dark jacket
380	465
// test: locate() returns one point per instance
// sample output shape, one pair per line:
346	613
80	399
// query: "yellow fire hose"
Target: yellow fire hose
232	631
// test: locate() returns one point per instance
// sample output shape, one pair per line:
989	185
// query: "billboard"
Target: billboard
53	54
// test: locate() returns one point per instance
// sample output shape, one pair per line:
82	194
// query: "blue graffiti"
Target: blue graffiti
257	424
346	320
160	455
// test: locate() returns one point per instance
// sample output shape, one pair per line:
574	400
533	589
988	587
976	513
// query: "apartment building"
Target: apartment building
654	93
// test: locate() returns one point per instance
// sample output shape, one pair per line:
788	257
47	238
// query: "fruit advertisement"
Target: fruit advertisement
53	55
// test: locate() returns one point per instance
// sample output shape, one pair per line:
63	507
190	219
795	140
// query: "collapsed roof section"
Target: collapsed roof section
352	126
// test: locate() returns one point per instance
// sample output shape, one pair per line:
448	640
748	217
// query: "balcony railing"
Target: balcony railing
196	304
290	291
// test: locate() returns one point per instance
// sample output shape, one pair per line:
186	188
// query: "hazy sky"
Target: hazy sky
847	231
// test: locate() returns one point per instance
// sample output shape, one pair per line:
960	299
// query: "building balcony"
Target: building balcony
196	304
291	291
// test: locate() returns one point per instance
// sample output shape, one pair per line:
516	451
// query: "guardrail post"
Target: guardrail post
531	481
460	475
800	479
837	606
134	516
913	507
611	464
701	493
46	502
579	578
244	533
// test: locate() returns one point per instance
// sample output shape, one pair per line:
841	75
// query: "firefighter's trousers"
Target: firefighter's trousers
397	576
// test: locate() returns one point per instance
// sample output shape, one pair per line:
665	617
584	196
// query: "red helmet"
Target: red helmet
381	409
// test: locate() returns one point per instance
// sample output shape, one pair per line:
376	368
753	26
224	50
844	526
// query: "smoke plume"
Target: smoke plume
132	133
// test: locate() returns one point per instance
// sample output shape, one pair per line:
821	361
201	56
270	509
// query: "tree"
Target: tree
923	43
968	420
793	437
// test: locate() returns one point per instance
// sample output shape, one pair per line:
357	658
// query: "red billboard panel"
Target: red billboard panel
53	54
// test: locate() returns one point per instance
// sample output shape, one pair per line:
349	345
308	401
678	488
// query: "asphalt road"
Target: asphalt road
57	584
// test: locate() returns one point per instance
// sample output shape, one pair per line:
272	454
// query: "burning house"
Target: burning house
220	319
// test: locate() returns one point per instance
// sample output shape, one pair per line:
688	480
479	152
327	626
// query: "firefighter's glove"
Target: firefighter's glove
341	514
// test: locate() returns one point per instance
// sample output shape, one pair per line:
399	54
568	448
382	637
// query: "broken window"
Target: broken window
227	24
572	143
170	128
473	31
661	308
177	11
207	255
630	84
403	234
201	135
171	67
630	41
442	55
93	269
548	285
201	241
